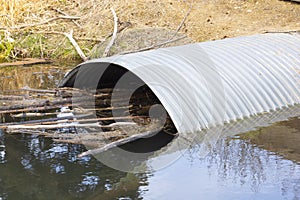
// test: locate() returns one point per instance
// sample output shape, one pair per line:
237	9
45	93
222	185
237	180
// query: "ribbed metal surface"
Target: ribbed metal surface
205	84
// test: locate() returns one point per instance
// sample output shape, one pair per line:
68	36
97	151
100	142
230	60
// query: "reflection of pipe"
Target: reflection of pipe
206	84
208	140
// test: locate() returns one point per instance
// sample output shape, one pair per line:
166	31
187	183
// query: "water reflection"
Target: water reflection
2	148
38	76
282	138
259	164
51	170
233	170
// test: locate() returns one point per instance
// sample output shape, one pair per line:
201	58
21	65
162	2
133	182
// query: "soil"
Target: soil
27	23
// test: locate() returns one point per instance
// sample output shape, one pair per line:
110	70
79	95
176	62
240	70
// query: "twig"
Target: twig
65	14
36	122
26	88
34	109
43	22
57	121
43	103
119	143
62	33
68	123
108	108
51	126
11	98
284	31
114	36
76	46
25	62
123	27
182	22
154	46
23	115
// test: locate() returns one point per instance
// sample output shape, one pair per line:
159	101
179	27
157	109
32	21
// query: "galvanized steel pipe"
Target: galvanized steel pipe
207	84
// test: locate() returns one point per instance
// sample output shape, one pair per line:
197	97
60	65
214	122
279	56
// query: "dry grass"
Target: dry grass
209	20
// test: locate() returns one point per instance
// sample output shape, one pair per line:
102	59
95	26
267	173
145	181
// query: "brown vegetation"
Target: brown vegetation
36	28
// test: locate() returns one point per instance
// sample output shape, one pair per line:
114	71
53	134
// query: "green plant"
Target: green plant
6	48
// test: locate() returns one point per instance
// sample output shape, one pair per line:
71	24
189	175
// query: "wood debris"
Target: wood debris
82	117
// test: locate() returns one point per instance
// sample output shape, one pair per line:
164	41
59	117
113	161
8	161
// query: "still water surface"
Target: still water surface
260	164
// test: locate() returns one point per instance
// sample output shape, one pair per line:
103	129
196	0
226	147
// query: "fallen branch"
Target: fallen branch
11	98
154	46
25	62
39	108
123	27
119	143
76	46
26	88
47	123
50	126
182	22
43	103
283	31
68	123
65	14
24	115
114	36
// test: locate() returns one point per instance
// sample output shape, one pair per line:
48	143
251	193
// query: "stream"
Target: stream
252	160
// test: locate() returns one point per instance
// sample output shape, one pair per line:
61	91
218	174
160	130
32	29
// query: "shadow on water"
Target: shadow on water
258	163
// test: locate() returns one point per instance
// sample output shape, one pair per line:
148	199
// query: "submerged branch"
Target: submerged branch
119	143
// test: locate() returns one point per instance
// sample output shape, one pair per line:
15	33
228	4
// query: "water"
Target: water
259	164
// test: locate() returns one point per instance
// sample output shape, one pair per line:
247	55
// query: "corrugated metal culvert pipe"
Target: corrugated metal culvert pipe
207	84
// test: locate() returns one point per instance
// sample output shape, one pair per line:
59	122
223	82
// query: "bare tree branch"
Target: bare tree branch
114	36
76	46
182	22
65	14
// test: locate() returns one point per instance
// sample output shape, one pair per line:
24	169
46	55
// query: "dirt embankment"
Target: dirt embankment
35	28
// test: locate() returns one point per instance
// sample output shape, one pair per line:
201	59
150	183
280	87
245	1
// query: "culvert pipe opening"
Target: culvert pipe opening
129	113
